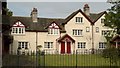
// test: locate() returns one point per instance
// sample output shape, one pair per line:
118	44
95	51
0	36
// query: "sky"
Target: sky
55	9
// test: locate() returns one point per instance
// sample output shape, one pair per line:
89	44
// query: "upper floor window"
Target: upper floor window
53	29
81	44
102	45
87	29
48	44
102	20
105	32
97	29
79	19
18	28
77	32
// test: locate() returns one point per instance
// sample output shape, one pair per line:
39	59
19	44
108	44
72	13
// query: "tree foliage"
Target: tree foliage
112	20
113	17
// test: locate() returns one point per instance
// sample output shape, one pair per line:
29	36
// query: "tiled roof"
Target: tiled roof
44	22
34	26
92	18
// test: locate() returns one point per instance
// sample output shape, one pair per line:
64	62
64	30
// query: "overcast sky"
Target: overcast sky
55	9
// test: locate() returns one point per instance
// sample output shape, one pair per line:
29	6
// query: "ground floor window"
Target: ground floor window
22	45
102	45
81	44
48	44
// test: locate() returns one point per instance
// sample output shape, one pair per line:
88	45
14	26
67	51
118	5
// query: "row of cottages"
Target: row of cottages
80	32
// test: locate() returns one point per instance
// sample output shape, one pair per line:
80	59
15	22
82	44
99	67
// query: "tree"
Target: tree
6	37
113	17
112	20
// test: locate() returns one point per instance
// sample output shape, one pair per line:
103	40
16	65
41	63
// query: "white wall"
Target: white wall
86	36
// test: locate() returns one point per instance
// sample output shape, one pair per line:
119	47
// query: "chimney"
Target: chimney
86	9
34	15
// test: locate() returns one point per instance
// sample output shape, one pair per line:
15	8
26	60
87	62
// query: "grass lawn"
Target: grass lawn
57	60
73	60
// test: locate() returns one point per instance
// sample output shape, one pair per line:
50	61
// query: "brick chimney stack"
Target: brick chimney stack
86	9
34	14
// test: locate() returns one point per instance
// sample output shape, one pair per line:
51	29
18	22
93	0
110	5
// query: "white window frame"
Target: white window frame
48	45
87	29
97	29
105	32
102	45
18	30
23	45
81	45
77	32
102	20
53	31
79	19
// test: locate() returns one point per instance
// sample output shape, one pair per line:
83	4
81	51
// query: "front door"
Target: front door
62	47
68	48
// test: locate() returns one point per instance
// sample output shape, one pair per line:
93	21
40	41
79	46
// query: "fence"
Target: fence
42	59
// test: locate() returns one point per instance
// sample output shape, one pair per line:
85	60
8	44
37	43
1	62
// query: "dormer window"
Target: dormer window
53	29
18	28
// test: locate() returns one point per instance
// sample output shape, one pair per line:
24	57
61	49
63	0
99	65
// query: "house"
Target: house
115	41
80	32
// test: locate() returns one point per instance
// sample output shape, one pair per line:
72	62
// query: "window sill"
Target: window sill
18	34
53	34
79	23
78	35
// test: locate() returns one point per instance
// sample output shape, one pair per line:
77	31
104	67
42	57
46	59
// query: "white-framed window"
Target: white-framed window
105	32
22	45
102	20
81	44
48	44
97	29
18	30
87	29
102	45
79	19
53	31
77	32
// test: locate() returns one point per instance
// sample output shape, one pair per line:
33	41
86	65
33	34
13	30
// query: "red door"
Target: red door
62	47
68	48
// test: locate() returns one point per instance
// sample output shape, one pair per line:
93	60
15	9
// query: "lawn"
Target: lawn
75	60
57	60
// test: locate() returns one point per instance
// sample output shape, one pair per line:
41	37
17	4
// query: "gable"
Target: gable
74	14
53	25
18	24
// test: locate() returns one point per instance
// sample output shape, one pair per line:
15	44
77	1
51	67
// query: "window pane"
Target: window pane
97	29
26	45
87	29
81	44
102	20
16	30
13	30
22	29
22	44
19	45
79	19
19	30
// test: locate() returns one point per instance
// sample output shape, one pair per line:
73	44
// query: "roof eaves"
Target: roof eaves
100	14
74	13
